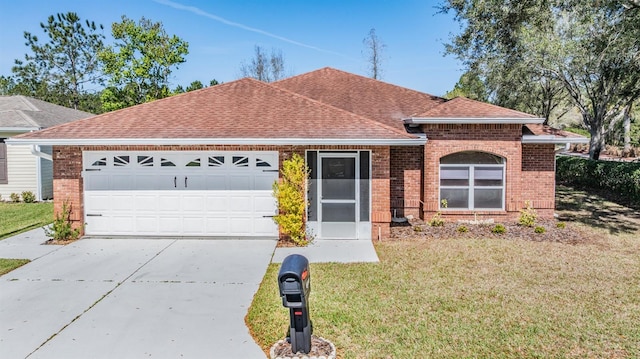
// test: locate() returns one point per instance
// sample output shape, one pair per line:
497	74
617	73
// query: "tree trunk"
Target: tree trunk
626	151
596	143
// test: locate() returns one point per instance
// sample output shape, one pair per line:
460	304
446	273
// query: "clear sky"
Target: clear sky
311	34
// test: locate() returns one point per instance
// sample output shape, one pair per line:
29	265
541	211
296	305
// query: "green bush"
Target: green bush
561	225
417	229
614	176
437	220
15	198
61	229
462	229
539	229
28	197
499	229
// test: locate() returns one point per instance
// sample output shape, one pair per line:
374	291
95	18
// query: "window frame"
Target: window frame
471	187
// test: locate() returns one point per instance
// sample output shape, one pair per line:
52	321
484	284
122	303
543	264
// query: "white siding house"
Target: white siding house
25	167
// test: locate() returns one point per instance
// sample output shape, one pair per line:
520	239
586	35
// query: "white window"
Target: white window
472	180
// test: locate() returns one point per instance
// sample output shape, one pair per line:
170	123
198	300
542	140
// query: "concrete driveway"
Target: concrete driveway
133	298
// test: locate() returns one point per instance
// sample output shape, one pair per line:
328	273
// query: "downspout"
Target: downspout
35	150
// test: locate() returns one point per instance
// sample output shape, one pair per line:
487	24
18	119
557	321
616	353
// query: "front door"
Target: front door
338	190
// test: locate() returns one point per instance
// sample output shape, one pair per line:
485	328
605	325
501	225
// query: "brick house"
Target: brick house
203	163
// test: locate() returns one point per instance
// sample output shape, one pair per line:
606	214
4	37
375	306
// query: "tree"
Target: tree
374	49
265	67
195	85
585	52
214	82
58	70
469	85
140	63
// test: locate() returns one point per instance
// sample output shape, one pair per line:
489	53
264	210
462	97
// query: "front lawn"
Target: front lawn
19	217
466	297
7	265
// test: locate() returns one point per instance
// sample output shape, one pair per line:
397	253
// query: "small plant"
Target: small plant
15	198
417	229
462	229
499	229
528	215
561	225
28	197
539	229
61	228
437	220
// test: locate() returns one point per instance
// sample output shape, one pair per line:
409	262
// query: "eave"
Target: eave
553	139
217	141
471	120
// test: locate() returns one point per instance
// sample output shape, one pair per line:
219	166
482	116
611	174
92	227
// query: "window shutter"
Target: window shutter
4	178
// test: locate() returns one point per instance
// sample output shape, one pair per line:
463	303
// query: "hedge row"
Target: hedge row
621	178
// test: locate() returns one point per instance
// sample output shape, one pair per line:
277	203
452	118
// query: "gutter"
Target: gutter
35	150
553	139
217	141
471	120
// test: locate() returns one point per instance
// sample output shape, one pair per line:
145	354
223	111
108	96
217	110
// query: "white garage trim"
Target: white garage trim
180	193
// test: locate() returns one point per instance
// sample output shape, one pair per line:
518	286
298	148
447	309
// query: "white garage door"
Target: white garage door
172	193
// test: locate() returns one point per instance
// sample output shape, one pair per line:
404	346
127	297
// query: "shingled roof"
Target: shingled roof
22	112
244	109
461	107
378	100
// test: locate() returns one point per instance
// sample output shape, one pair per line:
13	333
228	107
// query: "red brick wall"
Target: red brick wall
407	163
500	139
68	185
539	177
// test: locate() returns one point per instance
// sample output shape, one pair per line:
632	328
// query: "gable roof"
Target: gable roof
378	100
245	111
538	133
464	110
22	113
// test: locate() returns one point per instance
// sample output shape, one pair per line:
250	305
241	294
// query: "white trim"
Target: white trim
19	129
553	139
220	141
35	150
471	120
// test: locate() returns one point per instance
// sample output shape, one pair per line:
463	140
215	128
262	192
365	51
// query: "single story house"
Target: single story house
20	169
203	163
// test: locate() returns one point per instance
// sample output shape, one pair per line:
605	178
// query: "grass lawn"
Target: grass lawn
7	265
491	297
20	217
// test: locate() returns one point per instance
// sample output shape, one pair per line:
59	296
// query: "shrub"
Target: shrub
15	198
561	225
614	176
61	229
417	229
499	229
462	229
437	220
528	215
28	197
539	229
290	193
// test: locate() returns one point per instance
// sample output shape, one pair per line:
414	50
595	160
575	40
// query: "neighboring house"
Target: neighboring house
25	168
203	163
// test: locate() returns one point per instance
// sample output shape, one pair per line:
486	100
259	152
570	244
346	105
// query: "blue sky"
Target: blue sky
311	34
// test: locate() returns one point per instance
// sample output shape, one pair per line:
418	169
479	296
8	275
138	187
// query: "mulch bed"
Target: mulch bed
319	348
418	229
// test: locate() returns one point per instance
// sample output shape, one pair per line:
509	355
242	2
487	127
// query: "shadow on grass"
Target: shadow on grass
574	205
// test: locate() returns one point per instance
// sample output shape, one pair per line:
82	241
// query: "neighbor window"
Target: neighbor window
4	177
472	180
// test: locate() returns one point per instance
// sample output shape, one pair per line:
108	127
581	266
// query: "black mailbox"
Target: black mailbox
294	281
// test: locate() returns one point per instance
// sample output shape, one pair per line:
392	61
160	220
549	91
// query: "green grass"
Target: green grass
471	298
479	298
19	217
7	265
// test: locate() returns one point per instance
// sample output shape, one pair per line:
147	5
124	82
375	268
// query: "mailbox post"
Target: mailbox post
295	286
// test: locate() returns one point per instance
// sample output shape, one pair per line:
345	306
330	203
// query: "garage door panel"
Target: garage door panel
177	193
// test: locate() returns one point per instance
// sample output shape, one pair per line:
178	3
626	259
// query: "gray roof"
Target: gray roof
26	112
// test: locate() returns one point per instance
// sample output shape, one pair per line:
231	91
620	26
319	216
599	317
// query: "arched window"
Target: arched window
472	180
